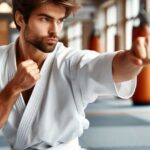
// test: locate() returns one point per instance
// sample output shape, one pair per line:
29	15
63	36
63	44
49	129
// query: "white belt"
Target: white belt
72	145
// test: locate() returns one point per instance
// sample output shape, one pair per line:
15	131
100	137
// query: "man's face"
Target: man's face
44	27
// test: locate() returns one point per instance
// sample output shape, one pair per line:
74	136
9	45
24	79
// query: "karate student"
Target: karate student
45	86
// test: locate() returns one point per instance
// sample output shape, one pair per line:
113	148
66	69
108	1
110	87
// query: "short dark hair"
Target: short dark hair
25	7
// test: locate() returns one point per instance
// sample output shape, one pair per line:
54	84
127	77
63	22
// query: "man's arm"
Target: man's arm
25	78
8	97
128	64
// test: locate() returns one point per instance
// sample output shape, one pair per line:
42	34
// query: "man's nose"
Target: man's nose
53	27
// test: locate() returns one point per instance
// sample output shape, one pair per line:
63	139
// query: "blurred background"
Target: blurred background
104	26
112	21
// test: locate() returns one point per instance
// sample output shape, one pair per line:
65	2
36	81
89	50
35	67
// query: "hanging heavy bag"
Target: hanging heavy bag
142	92
95	41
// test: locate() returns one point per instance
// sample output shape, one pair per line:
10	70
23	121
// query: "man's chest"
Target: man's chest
26	95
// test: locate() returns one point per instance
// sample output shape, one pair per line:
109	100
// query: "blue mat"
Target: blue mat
116	120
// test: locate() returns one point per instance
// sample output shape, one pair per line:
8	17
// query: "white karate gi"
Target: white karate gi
70	79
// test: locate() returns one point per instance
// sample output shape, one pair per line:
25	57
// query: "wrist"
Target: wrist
12	90
117	65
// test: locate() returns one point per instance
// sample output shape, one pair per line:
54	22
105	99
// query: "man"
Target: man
45	87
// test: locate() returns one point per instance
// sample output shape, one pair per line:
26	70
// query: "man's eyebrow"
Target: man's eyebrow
48	16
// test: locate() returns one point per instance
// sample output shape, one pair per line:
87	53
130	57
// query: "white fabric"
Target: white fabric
72	145
70	80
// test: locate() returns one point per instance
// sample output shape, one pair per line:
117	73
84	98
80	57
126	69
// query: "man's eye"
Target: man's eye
44	19
60	21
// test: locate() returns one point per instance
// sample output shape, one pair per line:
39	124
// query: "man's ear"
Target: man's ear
19	19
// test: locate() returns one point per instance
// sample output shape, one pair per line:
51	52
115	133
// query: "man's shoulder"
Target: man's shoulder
5	51
74	54
5	48
64	50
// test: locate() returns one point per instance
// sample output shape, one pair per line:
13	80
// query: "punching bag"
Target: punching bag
142	92
95	41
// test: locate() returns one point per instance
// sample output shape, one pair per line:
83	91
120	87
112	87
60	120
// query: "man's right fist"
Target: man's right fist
26	76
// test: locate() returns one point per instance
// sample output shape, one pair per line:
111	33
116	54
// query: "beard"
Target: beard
44	44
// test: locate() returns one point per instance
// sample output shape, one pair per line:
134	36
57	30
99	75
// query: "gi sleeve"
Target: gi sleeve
94	77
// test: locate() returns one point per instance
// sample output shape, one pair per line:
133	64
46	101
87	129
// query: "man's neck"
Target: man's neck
25	51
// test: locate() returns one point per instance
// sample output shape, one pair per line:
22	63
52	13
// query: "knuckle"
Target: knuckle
33	77
139	40
27	70
22	64
35	64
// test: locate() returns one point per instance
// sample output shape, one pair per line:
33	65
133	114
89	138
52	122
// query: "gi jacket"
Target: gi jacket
70	80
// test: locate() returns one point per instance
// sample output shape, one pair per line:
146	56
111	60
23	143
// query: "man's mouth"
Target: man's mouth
51	40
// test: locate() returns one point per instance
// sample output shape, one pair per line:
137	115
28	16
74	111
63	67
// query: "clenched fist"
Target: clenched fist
141	51
26	76
127	64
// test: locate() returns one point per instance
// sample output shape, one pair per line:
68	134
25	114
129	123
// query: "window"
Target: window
132	10
75	35
111	25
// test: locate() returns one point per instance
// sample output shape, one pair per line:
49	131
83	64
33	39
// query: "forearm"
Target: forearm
8	97
125	67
